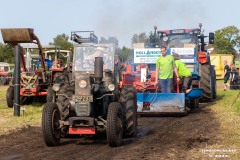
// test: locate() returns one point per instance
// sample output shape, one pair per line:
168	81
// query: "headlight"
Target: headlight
165	38
111	87
82	84
56	87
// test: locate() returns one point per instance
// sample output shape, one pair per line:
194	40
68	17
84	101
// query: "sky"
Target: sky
119	18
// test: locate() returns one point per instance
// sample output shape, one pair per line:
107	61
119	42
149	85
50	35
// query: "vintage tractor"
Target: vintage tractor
34	80
189	44
92	102
5	73
61	70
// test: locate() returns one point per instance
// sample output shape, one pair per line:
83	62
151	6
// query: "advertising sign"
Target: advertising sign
146	55
186	54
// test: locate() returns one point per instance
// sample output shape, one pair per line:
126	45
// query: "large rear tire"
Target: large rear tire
50	124
194	103
10	96
50	93
114	124
60	77
63	104
206	82
129	104
214	84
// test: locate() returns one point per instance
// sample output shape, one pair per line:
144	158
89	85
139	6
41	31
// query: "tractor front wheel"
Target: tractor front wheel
10	96
50	124
114	124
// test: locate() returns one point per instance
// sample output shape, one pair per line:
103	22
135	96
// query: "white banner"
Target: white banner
186	54
147	55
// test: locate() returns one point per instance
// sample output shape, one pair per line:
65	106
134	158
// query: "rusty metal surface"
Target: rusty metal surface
17	35
162	114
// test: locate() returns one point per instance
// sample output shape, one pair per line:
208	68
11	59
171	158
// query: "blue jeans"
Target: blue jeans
166	85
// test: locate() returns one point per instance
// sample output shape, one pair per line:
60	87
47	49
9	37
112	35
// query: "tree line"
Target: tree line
227	41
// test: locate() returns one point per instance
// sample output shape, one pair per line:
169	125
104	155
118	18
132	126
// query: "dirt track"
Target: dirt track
158	138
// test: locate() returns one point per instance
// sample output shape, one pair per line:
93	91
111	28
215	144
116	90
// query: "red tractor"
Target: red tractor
61	70
34	77
5	74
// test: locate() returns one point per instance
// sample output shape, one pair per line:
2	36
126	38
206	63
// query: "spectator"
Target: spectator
234	77
226	74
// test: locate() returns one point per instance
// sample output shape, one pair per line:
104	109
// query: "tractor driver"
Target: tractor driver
165	66
58	63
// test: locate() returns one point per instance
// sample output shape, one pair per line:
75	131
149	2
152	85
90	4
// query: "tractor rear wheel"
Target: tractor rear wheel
214	85
63	103
49	94
129	104
60	77
50	124
4	81
10	96
114	124
194	103
206	82
26	100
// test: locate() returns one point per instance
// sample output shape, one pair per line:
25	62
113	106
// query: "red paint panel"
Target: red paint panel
89	130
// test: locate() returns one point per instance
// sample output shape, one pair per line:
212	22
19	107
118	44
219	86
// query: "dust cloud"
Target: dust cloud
125	18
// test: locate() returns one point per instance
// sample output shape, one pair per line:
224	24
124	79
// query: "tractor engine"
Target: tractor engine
89	89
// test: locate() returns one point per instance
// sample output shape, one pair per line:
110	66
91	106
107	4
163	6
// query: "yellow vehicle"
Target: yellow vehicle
217	60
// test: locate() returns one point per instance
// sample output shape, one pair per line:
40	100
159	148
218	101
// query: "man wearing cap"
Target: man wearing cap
183	72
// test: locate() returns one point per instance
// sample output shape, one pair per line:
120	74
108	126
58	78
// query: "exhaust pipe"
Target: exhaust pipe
98	69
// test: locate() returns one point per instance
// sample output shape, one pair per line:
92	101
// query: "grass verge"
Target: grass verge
32	115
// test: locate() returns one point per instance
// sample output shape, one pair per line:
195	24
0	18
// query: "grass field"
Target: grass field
32	115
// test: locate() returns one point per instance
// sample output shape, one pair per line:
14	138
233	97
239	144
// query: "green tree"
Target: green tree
125	53
140	38
226	40
62	40
6	53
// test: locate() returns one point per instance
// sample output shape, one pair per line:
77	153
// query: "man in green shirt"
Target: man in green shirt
183	72
165	66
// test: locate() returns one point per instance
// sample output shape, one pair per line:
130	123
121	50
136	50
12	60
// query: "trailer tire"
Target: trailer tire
50	124
129	104
10	96
206	82
114	124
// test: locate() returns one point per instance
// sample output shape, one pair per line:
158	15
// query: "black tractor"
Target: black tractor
92	102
